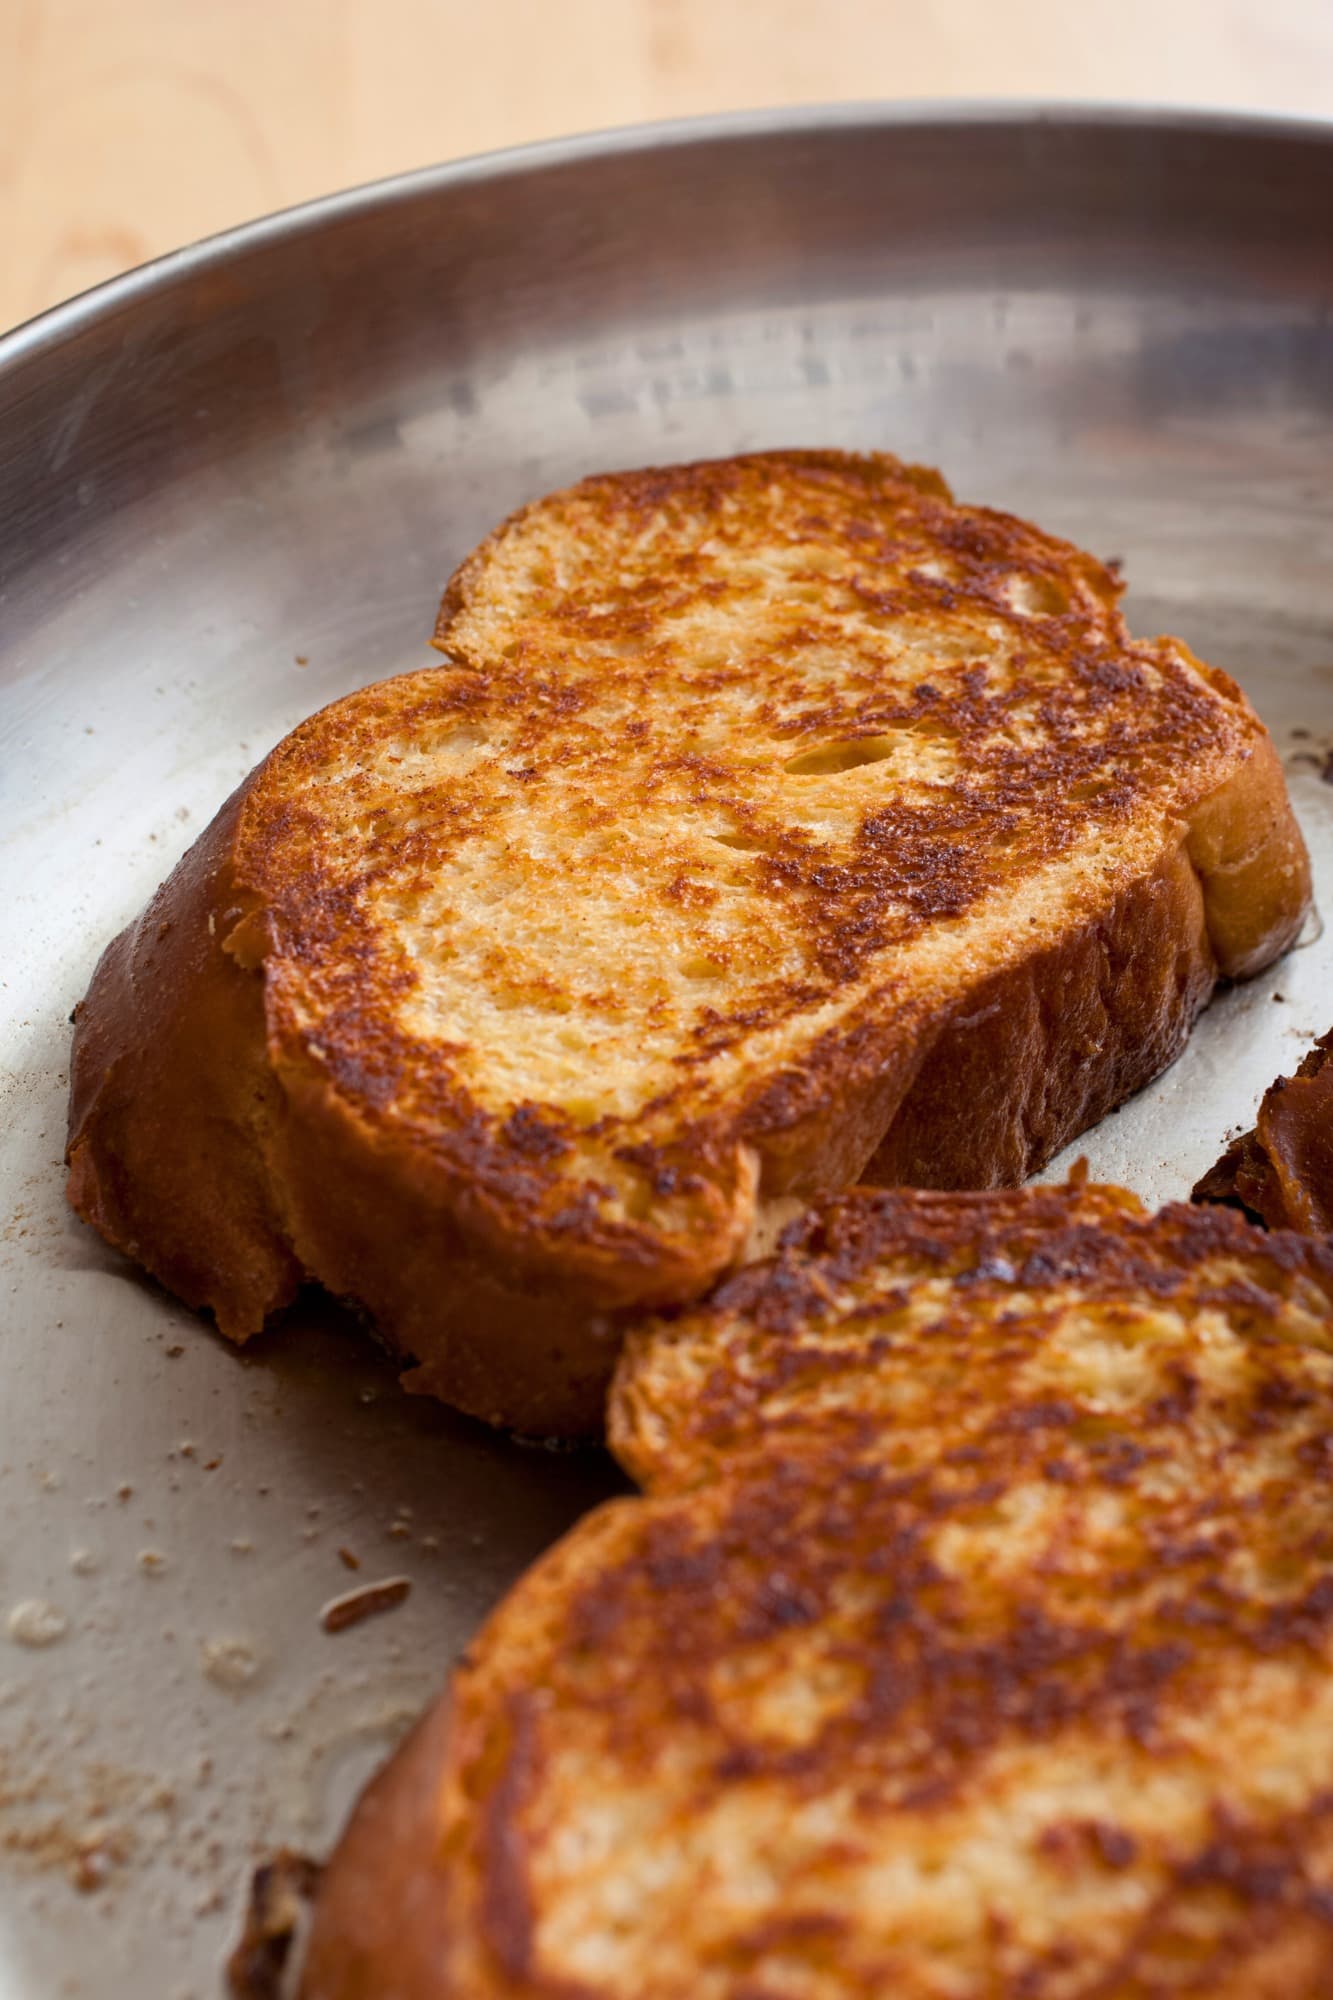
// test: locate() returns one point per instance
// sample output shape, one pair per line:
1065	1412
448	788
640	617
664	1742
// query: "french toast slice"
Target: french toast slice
767	823
974	1638
1281	1171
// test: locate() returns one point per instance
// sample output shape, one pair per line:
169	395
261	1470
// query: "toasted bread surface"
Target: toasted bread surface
936	1317
1281	1172
759	814
973	1639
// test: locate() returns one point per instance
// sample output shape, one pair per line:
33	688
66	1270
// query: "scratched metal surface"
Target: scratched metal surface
231	488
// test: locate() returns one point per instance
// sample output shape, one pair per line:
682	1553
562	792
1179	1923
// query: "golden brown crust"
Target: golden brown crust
1046	1047
974	1639
1281	1173
1251	861
171	1098
385	1945
757	803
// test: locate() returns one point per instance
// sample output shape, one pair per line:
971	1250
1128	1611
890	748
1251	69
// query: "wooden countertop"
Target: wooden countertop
128	129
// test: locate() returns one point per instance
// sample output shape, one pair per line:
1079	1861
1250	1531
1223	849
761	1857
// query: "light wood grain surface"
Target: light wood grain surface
128	127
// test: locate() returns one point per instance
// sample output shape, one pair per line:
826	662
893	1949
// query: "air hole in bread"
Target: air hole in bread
1034	596
742	842
834	757
931	729
469	737
637	1200
701	967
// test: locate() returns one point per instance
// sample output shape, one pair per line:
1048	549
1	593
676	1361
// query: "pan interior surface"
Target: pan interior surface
232	488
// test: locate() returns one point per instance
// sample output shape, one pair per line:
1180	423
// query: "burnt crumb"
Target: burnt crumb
369	1602
280	1894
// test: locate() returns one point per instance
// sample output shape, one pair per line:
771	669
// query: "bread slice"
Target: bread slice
1281	1172
974	1639
767	823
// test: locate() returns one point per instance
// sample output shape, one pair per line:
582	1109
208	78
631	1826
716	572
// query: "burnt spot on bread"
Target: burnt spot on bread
532	1134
